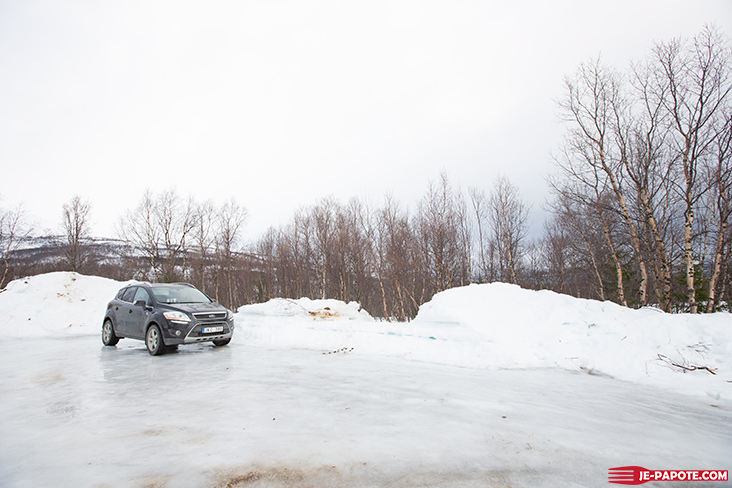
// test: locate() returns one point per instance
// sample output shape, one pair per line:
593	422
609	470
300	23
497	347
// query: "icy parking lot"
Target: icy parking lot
490	386
77	414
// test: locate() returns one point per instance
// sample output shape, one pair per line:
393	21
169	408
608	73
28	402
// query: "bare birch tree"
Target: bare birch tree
374	231
596	107
203	241
508	216
231	219
478	201
405	272
648	165
722	189
323	219
14	229
439	228
159	228
76	227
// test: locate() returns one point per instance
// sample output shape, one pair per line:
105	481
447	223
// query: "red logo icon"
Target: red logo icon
637	475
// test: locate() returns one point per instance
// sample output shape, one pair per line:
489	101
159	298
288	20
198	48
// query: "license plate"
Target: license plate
210	330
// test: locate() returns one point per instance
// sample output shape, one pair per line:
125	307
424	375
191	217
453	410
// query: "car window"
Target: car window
127	297
120	293
142	294
179	294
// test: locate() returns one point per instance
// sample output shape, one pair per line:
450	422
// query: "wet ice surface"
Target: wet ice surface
77	414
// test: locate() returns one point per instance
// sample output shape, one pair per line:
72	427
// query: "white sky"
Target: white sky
279	103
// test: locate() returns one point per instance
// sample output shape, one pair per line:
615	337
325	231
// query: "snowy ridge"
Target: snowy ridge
496	326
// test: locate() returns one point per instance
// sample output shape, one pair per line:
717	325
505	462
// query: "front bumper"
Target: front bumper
194	333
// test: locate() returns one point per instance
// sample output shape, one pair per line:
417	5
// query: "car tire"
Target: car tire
221	342
109	338
154	341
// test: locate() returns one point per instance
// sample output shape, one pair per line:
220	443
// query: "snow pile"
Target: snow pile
55	304
305	307
522	328
504	326
304	323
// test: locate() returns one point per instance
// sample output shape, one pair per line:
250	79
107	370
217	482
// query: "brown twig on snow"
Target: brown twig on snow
690	367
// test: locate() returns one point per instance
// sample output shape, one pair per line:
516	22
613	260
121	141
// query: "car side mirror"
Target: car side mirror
141	304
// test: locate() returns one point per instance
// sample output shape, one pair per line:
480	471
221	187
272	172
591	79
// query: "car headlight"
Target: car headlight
229	315
179	317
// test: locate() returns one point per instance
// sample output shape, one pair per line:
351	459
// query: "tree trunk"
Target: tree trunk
718	256
689	259
664	269
643	286
614	254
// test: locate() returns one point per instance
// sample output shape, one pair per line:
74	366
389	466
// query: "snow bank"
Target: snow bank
55	304
504	326
496	326
522	328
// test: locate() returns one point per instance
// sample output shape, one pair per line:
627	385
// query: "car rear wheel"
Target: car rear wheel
154	341
109	338
221	343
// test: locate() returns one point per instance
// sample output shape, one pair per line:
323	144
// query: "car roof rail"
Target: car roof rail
180	283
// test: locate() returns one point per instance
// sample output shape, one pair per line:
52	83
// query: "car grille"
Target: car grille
207	316
198	330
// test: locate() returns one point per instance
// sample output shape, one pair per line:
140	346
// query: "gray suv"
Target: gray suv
165	315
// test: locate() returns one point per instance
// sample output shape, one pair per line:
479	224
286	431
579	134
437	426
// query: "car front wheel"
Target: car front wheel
109	338
154	341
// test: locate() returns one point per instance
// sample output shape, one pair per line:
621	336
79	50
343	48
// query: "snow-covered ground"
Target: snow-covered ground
491	385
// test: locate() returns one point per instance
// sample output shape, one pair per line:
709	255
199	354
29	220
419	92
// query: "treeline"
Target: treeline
391	260
640	203
385	257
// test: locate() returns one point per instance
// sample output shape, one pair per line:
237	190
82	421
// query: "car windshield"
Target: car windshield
179	294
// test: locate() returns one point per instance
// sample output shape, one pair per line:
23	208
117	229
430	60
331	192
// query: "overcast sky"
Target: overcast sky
280	103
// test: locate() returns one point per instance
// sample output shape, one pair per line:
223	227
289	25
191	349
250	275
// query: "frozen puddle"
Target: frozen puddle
76	414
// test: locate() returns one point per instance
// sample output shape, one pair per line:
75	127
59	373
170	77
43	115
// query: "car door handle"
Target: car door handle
129	311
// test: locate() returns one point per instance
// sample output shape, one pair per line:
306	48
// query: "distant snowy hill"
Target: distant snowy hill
49	249
497	326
